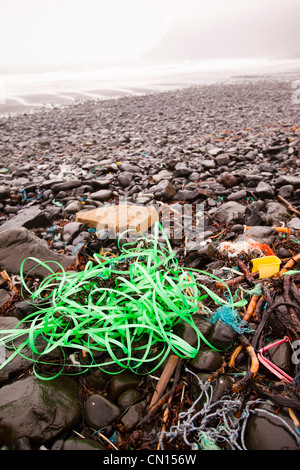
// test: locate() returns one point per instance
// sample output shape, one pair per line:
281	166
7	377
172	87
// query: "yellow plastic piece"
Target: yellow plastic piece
266	266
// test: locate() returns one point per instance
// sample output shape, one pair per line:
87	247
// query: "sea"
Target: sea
27	89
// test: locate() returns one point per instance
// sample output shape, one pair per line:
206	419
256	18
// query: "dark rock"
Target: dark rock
253	215
66	185
100	412
73	207
102	195
221	386
227	179
230	210
207	360
25	308
222	159
221	336
164	190
125	179
97	379
77	443
23	244
189	334
4	193
133	415
4	297
23	443
30	217
286	191
128	398
37	409
264	190
237	196
122	382
281	355
70	231
260	233
265	432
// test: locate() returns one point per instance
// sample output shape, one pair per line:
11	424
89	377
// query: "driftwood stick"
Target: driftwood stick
289	206
164	379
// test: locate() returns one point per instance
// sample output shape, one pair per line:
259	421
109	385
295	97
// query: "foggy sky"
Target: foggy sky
267	29
97	31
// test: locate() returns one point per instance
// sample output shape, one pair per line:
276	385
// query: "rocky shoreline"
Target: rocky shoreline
233	149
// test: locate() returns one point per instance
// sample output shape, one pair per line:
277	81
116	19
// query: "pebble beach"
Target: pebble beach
231	148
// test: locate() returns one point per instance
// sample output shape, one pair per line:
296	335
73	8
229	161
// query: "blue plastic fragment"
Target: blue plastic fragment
230	317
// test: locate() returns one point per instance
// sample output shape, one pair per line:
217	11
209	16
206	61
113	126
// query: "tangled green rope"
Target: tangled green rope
128	313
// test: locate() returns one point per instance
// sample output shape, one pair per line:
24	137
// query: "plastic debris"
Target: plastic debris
219	422
230	317
110	305
267	266
234	249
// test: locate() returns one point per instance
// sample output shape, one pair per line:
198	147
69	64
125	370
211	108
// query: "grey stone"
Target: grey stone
4	193
181	169
228	208
208	164
228	180
73	207
162	175
4	297
264	190
195	176
290	180
223	159
164	190
128	167
125	179
259	233
294	223
66	185
278	212
70	230
30	217
286	191
237	196
215	151
18	244
102	195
